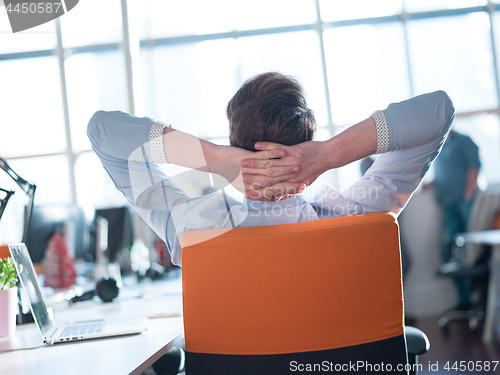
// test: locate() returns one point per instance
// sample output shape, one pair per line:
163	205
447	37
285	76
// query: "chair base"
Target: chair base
474	315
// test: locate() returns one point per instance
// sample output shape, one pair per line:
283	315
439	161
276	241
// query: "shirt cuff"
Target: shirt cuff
156	142
382	132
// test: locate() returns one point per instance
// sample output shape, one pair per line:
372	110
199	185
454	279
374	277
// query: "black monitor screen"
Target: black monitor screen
46	220
120	233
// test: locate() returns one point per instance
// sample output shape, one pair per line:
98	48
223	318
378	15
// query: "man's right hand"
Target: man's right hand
266	177
226	161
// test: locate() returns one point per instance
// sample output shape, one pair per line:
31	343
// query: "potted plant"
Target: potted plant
8	297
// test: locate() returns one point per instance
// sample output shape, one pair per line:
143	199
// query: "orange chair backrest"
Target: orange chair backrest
291	288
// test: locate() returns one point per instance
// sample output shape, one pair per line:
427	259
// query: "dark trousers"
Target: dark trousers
454	221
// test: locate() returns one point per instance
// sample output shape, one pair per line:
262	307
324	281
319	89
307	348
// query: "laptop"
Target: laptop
50	332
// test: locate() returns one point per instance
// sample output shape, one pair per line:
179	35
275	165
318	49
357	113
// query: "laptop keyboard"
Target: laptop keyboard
82	329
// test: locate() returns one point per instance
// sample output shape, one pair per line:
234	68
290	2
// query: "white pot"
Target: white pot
8	311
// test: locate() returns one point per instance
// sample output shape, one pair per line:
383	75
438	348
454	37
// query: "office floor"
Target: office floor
461	344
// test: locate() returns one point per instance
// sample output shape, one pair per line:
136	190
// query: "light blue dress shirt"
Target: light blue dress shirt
410	136
458	156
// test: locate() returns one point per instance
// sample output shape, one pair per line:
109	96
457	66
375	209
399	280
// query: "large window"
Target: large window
181	61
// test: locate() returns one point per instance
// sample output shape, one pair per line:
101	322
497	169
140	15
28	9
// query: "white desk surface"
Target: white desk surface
118	355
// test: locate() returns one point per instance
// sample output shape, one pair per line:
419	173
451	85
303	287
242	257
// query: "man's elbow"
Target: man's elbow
94	122
447	106
445	112
93	127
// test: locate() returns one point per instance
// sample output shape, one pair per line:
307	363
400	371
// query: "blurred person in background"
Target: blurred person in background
455	182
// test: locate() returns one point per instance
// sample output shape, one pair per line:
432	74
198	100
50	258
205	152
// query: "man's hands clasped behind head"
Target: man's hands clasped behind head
278	171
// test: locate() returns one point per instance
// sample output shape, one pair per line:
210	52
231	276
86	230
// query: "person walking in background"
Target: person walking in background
456	172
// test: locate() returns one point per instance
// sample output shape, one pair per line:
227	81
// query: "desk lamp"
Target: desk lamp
4	200
29	190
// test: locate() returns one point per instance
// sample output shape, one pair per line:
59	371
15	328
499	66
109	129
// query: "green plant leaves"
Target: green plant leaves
8	274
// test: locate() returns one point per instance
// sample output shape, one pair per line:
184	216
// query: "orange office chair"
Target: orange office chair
321	295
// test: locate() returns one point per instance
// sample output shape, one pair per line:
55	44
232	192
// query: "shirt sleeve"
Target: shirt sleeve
131	150
410	136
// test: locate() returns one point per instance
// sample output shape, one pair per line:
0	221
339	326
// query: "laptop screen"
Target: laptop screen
29	282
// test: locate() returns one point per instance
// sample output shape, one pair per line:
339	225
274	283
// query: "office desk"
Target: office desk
487	237
492	313
118	355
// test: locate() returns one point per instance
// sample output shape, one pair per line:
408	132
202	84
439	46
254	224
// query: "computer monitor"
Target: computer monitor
120	231
68	220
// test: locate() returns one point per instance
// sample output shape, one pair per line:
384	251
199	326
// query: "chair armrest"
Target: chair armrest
416	341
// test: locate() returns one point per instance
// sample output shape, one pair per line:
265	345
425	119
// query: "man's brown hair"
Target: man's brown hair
269	107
